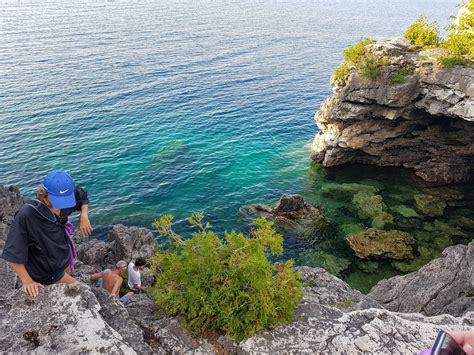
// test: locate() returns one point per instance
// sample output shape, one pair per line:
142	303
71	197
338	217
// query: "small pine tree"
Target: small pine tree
225	284
422	33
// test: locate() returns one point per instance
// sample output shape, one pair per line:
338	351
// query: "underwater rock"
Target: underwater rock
393	244
293	216
405	211
425	123
371	206
346	191
170	153
316	258
350	228
430	205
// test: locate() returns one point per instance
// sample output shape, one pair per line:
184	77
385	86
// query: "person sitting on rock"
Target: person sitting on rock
134	279
111	280
39	245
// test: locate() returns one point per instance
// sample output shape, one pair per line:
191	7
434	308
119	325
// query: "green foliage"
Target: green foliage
353	55
422	33
367	64
402	74
451	61
225	283
341	71
371	66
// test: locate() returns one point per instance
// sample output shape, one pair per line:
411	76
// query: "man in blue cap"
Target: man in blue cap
38	245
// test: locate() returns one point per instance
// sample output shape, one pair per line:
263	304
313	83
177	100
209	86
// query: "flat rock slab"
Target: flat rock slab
62	319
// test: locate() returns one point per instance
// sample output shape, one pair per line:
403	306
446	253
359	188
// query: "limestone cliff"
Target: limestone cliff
421	118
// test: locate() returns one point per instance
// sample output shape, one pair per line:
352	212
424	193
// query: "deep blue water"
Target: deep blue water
175	106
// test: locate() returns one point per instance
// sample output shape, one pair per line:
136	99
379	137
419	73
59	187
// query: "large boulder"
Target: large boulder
62	319
333	318
131	242
423	120
293	216
445	285
393	244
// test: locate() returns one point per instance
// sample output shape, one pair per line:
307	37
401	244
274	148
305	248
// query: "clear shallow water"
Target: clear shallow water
174	107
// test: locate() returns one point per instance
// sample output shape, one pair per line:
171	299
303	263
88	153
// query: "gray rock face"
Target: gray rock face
62	319
114	313
333	318
445	285
131	242
10	203
424	122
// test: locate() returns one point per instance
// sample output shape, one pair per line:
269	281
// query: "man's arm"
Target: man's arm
139	287
96	277
29	286
82	205
84	224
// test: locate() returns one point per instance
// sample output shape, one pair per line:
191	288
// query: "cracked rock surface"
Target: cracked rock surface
425	122
445	285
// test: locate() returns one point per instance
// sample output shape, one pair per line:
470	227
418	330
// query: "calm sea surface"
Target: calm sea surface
176	106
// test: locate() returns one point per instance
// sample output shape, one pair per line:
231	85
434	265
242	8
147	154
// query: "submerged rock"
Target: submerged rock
425	123
430	205
292	215
378	243
445	285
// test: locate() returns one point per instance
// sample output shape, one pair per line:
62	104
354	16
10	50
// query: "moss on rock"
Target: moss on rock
430	205
393	244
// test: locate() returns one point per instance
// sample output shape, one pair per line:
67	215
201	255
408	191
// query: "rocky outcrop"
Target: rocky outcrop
332	319
393	244
445	285
10	203
80	318
62	319
293	216
422	120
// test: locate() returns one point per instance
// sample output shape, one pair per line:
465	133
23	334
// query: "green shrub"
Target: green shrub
422	33
225	284
354	54
402	74
451	61
341	71
371	65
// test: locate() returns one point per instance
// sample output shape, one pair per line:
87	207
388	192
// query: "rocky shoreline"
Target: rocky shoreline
332	317
423	120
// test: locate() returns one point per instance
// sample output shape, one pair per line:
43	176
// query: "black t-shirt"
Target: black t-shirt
40	243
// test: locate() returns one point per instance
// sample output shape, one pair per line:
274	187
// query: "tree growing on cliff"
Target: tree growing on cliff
225	284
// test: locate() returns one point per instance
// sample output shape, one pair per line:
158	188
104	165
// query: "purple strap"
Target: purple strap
69	229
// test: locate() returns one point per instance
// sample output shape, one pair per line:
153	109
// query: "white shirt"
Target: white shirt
133	276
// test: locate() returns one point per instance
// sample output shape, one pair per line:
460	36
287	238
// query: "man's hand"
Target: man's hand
32	288
85	225
465	339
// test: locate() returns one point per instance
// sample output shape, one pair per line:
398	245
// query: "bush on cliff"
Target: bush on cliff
367	64
422	33
459	42
225	284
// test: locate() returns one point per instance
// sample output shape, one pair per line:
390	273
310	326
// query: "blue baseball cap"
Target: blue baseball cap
60	188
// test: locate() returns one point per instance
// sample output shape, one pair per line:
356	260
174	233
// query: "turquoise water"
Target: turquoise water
176	106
